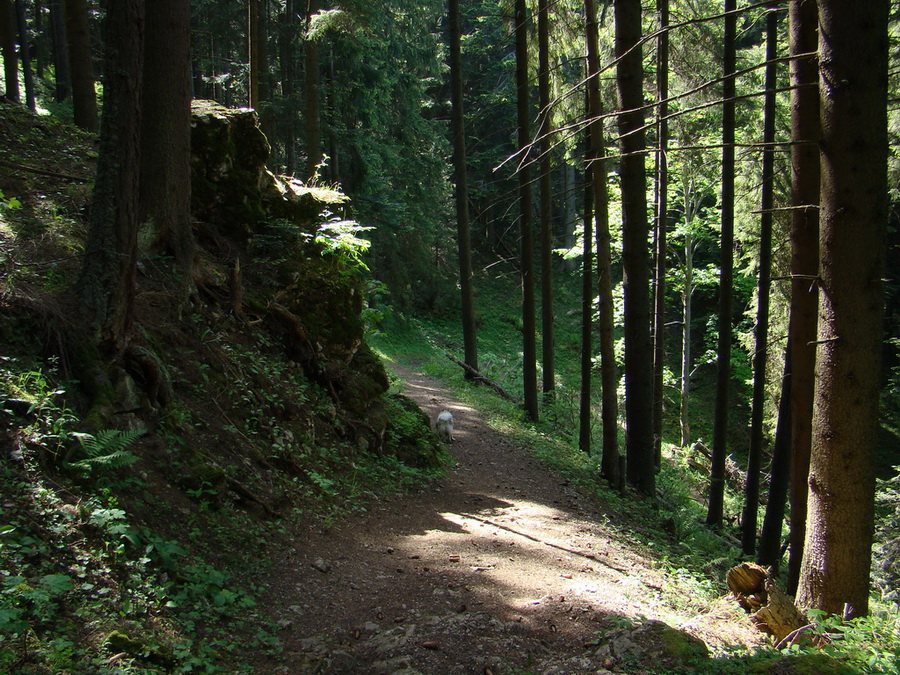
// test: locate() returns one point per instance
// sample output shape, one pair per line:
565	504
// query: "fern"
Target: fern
107	450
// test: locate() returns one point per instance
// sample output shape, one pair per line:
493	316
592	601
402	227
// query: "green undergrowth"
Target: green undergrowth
132	551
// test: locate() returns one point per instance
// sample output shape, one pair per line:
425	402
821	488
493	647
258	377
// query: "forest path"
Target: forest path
500	565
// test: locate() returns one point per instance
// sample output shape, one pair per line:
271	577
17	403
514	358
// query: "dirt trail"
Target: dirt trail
500	566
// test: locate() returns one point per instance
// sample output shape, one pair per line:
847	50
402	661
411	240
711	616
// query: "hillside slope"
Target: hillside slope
132	532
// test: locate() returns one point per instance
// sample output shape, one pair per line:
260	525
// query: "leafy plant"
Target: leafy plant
106	451
886	552
341	238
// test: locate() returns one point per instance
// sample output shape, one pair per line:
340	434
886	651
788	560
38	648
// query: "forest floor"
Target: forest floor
500	567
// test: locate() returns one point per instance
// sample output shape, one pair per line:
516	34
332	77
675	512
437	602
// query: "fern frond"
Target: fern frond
107	450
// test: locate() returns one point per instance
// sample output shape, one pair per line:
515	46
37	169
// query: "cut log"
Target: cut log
770	608
478	377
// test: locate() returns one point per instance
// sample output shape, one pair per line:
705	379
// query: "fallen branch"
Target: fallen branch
44	172
478	377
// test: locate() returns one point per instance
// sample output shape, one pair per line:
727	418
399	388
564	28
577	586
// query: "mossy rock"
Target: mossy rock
118	642
655	646
409	436
228	167
803	664
230	184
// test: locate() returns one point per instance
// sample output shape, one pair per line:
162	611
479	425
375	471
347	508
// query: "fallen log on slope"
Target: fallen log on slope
478	377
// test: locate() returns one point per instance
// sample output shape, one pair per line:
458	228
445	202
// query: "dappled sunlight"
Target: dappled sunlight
527	556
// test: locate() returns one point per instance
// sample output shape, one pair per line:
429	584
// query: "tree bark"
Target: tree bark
84	95
609	379
25	55
761	350
662	208
106	283
463	226
770	609
313	85
253	64
716	509
686	318
587	300
60	41
523	110
805	133
165	173
286	57
853	58
545	132
769	553
640	451
10	58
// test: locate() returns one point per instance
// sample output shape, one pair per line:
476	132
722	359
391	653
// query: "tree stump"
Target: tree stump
770	608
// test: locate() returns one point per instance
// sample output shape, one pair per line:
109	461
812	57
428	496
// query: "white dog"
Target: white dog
444	426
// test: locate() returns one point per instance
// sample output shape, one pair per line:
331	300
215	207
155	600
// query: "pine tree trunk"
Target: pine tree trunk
10	58
286	57
641	471
313	112
60	41
25	55
84	95
761	351
523	109
769	553
546	189
587	310
253	64
609	380
662	208
686	318
463	227
106	283
805	133
853	58
165	175
716	508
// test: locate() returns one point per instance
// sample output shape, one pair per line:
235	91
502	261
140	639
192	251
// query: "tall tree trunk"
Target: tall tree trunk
640	451
84	94
286	39
769	554
662	208
716	509
548	343
165	175
463	226
853	58
60	41
805	133
106	283
253	67
686	318
609	379
38	45
313	85
761	351
523	110
10	58
570	211
25	55
587	308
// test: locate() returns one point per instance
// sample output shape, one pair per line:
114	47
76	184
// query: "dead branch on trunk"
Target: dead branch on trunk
478	377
